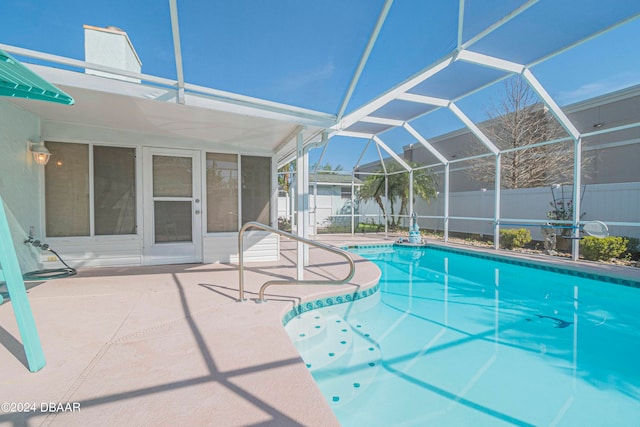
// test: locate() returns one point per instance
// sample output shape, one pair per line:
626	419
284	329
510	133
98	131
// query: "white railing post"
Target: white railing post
300	204
447	170
496	201
577	199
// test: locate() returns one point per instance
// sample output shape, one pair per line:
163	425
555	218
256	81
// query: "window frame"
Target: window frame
272	202
139	192
91	195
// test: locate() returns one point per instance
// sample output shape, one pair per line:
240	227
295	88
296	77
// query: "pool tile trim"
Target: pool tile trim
540	265
328	301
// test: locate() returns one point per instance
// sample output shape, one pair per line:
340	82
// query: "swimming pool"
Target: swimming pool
454	340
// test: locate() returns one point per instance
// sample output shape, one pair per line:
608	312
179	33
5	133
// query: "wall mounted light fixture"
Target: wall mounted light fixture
40	153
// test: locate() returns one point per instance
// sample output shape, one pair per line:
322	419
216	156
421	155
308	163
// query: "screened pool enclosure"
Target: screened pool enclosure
493	115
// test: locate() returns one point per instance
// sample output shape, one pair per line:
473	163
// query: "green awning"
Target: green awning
18	81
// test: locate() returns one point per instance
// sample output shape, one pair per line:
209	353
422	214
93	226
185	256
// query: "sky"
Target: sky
304	52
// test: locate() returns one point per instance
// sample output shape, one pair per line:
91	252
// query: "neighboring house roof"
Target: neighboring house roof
332	179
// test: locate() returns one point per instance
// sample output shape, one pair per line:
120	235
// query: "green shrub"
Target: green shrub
633	247
514	238
594	248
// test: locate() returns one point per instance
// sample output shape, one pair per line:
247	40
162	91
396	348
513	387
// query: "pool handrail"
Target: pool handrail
329	248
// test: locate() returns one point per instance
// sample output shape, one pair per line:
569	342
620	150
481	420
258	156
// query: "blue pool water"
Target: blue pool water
453	340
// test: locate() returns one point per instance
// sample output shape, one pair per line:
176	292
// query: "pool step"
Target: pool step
341	355
346	378
321	339
307	330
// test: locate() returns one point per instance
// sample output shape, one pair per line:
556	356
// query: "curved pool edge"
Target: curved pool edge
364	284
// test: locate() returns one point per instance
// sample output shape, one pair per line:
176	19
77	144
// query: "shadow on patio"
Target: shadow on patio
170	345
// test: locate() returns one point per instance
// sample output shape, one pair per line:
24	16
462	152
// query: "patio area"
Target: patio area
170	345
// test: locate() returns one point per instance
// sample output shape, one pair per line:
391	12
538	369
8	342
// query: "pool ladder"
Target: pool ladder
329	248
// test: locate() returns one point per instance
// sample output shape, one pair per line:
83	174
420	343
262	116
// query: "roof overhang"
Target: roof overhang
233	123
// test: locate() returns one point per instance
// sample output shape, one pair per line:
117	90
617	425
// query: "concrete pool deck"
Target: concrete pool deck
170	345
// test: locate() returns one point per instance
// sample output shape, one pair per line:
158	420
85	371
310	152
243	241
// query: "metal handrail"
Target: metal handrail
332	249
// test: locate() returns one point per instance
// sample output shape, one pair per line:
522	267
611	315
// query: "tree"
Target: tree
327	167
518	121
424	185
287	172
285	176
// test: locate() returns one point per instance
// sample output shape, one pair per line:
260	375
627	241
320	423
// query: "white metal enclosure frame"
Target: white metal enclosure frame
463	53
308	128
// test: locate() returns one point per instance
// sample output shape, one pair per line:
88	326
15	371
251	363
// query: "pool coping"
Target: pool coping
580	269
310	305
617	275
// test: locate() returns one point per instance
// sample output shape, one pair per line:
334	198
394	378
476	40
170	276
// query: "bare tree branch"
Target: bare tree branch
519	120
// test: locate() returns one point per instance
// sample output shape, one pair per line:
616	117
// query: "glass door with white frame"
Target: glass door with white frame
173	219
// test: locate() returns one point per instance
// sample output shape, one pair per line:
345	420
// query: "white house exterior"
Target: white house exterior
143	173
330	198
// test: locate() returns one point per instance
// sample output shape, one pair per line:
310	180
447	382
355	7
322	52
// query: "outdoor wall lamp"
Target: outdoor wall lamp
40	153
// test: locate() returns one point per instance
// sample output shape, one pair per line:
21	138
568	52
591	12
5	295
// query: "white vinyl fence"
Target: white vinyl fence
617	205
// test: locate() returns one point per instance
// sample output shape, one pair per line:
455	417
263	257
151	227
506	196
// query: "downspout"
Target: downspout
315	209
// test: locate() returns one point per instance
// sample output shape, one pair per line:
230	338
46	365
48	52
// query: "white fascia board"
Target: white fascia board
422	99
549	102
395	92
82	64
293	135
281	111
392	153
282	161
490	61
473	128
381	121
361	135
425	143
247	109
287	151
310	116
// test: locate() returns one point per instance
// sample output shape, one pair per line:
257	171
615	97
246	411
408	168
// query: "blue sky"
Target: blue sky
305	52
